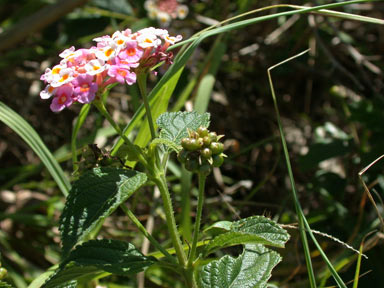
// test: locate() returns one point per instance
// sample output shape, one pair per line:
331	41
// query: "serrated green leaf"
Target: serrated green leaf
94	197
219	228
251	269
255	229
98	256
174	125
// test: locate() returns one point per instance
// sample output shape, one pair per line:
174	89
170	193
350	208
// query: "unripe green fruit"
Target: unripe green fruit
200	141
190	144
3	273
206	153
217	160
182	156
205	169
216	148
213	136
207	141
192	165
203	131
184	142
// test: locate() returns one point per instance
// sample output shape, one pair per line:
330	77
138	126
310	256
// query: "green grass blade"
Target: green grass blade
79	122
29	135
207	83
324	12
244	23
303	235
303	223
358	265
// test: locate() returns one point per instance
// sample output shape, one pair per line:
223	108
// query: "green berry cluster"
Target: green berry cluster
201	151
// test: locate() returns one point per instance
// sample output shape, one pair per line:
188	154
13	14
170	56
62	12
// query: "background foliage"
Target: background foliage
331	101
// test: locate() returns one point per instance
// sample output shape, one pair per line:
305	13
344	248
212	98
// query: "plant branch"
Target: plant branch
199	211
142	82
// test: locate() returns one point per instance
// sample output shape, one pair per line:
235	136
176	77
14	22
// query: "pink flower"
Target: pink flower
117	58
121	72
84	88
131	53
63	98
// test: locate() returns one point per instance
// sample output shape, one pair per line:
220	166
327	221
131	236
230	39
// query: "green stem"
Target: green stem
146	233
100	106
79	122
199	211
161	183
142	82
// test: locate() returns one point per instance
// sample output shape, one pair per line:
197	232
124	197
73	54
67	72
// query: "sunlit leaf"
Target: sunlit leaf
251	269
174	125
256	229
93	198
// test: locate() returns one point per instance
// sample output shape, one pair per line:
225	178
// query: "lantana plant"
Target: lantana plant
85	76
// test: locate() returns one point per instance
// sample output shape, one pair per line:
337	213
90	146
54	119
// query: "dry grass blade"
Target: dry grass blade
366	189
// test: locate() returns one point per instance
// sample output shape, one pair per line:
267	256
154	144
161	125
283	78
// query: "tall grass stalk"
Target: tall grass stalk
303	223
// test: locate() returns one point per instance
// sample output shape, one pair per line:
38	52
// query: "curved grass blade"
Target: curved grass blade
303	223
29	135
243	23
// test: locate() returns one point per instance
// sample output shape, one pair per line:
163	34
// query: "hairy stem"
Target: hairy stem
199	211
161	183
142	82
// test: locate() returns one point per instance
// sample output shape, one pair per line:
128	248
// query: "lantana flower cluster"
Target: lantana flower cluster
165	10
115	59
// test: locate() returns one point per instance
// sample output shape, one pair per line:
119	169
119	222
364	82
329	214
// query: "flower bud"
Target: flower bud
216	148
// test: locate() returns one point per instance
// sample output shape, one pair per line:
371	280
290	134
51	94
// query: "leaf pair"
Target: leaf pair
94	197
